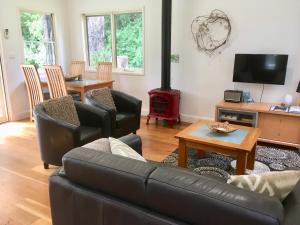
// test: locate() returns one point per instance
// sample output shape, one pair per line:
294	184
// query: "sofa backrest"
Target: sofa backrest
176	193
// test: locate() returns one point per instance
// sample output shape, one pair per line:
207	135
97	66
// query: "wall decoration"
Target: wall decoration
211	32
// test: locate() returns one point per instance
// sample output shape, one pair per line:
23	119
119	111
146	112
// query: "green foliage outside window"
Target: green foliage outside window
129	39
37	32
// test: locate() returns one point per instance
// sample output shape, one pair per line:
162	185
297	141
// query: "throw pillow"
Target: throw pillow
274	184
119	148
102	145
103	96
62	109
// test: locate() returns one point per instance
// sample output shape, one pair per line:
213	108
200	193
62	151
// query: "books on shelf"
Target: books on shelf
291	109
294	109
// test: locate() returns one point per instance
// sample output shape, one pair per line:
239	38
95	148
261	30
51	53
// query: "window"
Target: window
117	38
38	38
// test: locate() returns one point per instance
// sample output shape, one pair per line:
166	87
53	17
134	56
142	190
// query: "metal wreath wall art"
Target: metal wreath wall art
211	32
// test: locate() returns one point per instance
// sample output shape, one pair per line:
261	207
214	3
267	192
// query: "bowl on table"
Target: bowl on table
224	128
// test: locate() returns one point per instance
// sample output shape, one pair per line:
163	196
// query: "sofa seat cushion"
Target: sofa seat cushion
89	134
103	96
274	184
62	109
124	119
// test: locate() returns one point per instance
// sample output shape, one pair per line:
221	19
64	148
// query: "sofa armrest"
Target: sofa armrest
94	117
134	141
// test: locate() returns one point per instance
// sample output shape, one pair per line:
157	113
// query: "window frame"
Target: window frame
54	42
112	15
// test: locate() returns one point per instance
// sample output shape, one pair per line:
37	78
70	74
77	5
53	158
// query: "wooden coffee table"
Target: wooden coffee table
240	144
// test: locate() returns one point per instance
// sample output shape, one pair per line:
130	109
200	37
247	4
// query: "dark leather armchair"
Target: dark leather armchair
127	118
57	137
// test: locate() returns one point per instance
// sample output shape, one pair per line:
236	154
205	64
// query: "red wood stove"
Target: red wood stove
164	104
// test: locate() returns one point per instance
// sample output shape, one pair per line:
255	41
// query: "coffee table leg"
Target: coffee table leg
241	164
182	154
251	158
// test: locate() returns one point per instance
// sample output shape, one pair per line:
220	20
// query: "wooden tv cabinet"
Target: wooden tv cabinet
277	127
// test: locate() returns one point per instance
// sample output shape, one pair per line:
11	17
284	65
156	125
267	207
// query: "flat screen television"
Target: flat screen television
260	68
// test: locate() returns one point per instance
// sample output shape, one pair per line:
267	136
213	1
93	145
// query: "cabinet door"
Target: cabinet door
290	129
270	125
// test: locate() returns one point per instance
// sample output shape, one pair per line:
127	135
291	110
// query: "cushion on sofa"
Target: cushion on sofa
102	145
103	96
119	148
274	184
62	109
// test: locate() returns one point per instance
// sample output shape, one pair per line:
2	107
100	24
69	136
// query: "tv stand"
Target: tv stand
277	127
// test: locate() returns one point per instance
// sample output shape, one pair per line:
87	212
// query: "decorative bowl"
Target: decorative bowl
224	128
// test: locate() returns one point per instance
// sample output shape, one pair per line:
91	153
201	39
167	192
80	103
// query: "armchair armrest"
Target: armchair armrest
126	103
55	137
94	117
134	141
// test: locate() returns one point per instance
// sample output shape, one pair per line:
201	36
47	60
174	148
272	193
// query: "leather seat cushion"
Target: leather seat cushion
89	134
124	119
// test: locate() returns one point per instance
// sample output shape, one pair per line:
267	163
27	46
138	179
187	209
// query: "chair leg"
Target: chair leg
46	166
134	132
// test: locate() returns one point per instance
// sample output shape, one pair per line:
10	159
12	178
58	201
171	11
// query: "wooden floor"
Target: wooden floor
24	183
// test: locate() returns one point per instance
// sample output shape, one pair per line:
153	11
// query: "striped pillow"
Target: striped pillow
274	184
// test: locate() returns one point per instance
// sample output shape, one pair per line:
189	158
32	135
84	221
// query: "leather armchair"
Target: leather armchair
127	118
56	137
102	188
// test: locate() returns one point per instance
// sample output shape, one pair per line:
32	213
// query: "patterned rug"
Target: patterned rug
267	159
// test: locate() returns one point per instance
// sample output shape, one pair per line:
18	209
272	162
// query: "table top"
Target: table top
246	137
80	83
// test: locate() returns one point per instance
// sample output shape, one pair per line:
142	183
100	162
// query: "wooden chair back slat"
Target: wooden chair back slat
33	84
104	71
56	81
77	68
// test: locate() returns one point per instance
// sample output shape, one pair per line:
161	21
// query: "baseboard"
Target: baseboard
192	118
20	116
184	117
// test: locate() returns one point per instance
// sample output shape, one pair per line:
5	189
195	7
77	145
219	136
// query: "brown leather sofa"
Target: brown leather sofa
99	188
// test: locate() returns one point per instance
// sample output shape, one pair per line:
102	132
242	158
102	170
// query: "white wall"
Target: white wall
269	26
12	49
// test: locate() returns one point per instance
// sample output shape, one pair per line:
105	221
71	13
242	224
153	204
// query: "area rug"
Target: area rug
267	159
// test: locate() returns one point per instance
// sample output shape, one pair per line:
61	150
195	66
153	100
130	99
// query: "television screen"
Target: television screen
264	69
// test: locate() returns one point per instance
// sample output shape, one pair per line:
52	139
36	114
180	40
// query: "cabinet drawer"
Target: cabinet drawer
280	127
290	129
270	125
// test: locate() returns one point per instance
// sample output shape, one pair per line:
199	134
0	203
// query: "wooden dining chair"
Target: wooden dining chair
77	68
33	84
56	81
104	71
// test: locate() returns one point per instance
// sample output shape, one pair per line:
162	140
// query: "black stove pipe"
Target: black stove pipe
166	44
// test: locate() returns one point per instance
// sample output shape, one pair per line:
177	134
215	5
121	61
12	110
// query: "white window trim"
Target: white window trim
55	42
118	71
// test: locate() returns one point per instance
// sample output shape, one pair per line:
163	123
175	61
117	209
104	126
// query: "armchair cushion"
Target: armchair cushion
125	119
62	109
103	96
89	134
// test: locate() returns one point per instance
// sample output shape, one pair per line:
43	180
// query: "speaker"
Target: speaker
233	96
